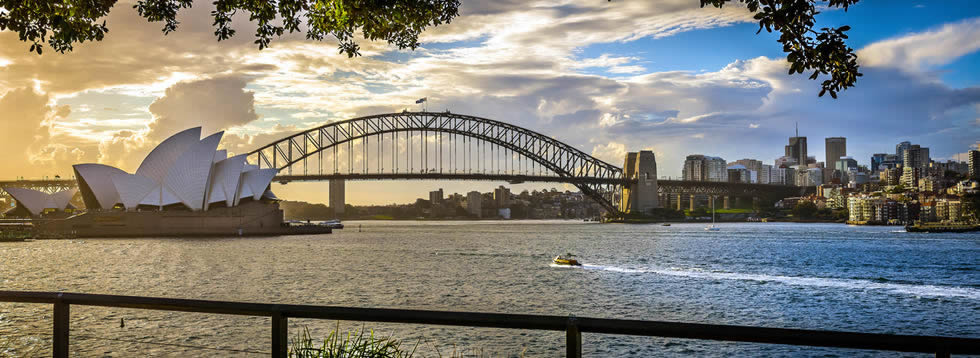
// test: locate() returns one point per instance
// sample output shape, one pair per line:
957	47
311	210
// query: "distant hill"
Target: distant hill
301	210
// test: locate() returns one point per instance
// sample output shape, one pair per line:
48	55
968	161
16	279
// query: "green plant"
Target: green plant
353	344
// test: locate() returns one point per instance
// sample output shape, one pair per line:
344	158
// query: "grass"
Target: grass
353	344
360	344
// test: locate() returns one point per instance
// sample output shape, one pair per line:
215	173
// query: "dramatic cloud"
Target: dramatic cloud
530	63
214	104
30	149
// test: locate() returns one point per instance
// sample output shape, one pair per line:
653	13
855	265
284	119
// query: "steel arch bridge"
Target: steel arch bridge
431	145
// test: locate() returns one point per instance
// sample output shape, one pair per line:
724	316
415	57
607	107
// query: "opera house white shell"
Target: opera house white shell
183	172
36	202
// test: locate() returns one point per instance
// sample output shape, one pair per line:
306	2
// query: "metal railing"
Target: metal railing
573	326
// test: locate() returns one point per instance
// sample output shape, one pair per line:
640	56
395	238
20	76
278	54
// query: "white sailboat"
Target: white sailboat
712	227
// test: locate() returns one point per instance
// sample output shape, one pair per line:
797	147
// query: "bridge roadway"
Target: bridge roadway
666	187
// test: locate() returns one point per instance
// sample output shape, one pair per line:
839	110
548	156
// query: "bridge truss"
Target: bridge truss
430	145
47	185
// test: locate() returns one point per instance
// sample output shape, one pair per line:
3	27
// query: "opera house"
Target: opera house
184	187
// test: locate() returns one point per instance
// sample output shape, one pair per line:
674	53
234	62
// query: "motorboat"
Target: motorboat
665	224
566	260
333	224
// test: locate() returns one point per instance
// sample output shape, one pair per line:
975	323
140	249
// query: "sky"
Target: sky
605	77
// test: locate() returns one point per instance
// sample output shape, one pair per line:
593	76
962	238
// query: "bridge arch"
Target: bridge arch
595	178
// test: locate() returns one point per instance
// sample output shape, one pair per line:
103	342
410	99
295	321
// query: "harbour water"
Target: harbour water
813	276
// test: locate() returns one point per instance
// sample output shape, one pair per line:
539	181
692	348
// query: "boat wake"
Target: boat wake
917	290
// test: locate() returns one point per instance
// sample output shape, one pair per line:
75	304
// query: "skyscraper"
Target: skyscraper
900	149
876	160
974	160
699	167
835	148
797	149
916	157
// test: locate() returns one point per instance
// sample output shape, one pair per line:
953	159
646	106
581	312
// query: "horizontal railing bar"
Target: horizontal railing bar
837	339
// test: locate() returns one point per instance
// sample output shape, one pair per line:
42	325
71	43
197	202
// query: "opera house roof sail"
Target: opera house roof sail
183	170
37	202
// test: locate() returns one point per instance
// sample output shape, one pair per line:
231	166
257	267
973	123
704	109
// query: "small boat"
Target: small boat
333	224
665	224
712	227
566	260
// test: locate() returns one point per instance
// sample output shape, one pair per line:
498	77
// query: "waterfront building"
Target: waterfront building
501	197
435	197
183	172
184	187
33	203
474	203
867	209
834	149
974	163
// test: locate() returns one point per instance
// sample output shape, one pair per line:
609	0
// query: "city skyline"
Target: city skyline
608	86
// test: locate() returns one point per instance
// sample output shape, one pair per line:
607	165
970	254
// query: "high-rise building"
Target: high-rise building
797	149
737	173
754	167
435	197
834	149
877	160
693	168
916	157
900	149
765	174
501	196
699	167
474	203
974	160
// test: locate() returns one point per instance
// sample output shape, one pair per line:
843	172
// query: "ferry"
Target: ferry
942	227
566	260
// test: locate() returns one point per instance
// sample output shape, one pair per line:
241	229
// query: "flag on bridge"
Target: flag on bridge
421	100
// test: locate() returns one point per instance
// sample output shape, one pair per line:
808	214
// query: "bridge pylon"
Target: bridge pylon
640	195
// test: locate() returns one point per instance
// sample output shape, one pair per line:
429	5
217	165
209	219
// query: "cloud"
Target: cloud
611	152
214	104
30	149
520	62
922	50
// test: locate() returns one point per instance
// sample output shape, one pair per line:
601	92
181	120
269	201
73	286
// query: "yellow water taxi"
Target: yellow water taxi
566	260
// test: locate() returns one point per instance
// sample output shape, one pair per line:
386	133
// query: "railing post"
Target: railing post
942	353
60	334
280	335
573	339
